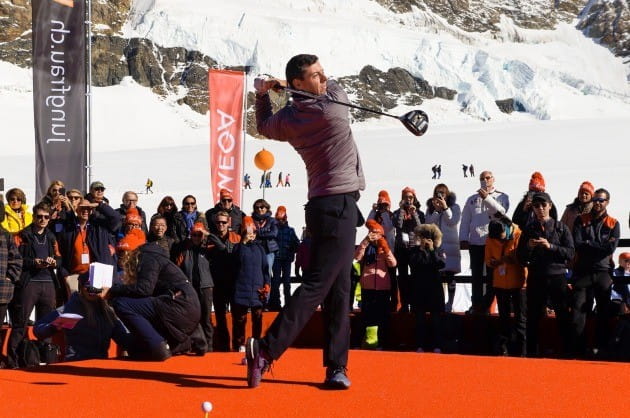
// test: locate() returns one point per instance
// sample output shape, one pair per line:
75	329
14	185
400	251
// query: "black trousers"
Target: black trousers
375	309
586	287
403	279
222	296
205	300
540	290
508	301
332	221
38	295
481	300
239	321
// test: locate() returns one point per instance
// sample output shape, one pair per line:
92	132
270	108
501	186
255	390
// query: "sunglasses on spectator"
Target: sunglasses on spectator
226	200
221	222
15	199
486	178
55	190
539	204
261	207
73	197
598	200
99	189
38	216
189	203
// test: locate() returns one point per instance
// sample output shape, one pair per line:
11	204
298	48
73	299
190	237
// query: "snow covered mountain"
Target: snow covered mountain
473	60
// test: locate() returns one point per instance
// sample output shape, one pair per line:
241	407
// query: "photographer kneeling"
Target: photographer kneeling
156	301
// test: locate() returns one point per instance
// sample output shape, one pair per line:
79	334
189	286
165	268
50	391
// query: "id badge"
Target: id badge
502	270
85	258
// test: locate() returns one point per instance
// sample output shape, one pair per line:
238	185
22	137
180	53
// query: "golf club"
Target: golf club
416	121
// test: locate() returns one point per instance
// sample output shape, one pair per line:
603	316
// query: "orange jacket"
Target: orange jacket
509	274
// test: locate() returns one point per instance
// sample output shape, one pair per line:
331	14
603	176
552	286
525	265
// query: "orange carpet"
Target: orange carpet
383	384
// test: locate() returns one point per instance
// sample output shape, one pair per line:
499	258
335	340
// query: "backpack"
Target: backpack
32	353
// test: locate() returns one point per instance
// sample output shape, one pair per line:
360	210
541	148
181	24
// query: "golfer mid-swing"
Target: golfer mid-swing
319	130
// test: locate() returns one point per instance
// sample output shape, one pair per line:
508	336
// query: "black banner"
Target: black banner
59	89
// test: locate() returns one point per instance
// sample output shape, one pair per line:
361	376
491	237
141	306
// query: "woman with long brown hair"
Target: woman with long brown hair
175	225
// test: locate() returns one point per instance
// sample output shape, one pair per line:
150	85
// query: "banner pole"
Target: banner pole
242	191
89	95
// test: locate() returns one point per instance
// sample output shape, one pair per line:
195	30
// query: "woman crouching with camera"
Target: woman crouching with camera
155	301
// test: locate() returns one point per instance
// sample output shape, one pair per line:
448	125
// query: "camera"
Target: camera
259	83
440	195
381	206
530	195
93	290
406	205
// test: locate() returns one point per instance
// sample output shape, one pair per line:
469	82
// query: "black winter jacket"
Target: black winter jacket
541	261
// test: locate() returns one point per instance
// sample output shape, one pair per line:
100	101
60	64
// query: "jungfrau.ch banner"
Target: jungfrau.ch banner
59	93
225	89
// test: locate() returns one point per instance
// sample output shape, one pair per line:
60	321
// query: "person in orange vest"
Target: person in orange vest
508	279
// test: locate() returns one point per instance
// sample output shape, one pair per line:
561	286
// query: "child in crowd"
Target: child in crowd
508	279
620	293
376	259
426	258
252	284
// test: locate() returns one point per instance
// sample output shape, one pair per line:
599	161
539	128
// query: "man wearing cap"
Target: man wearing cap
524	213
225	204
287	247
473	231
319	130
97	193
88	237
596	236
545	248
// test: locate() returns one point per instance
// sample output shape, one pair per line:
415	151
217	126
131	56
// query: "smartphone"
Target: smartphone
2	184
483	183
62	191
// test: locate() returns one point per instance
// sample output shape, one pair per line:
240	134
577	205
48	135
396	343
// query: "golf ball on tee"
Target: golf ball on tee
206	406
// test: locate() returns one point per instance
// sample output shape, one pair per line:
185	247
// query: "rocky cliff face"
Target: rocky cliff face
183	73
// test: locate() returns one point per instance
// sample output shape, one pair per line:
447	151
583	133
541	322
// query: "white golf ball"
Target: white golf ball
206	406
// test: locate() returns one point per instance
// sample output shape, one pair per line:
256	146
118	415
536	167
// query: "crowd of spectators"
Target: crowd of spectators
171	270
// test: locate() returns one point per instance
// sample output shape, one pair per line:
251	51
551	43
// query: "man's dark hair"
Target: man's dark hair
44	207
297	65
601	190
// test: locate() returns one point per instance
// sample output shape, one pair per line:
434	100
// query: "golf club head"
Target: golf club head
416	121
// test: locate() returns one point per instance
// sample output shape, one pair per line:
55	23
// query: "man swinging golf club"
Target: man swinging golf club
319	130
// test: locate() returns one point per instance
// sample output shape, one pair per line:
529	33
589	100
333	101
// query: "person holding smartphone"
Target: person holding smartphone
473	231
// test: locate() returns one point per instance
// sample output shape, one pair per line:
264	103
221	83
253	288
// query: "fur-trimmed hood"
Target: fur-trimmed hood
432	230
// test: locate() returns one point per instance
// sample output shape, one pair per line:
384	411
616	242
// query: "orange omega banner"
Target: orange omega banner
225	89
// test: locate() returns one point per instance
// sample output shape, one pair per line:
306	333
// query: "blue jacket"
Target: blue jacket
252	273
287	242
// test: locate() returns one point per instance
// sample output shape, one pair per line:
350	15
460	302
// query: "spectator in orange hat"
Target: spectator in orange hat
382	213
225	204
581	204
252	283
523	213
376	260
288	243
